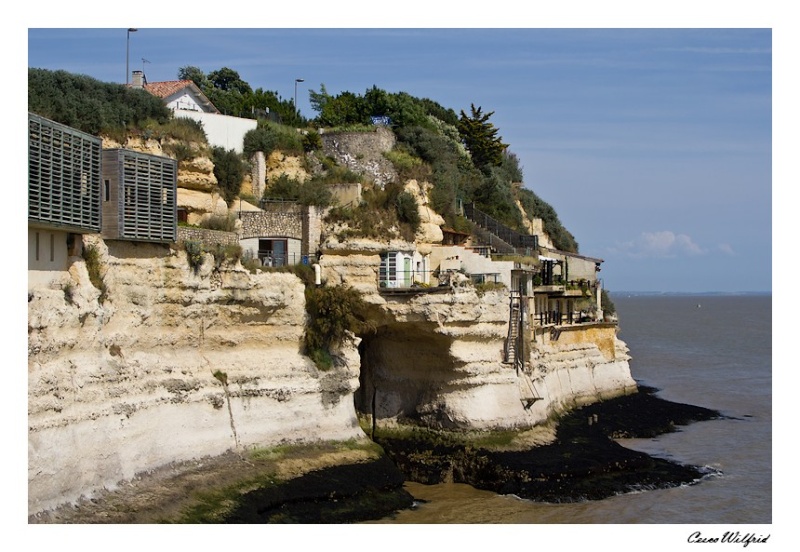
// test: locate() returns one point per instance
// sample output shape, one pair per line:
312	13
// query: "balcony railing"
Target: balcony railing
268	258
420	279
558	318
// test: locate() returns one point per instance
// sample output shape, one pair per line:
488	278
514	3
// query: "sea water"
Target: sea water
713	351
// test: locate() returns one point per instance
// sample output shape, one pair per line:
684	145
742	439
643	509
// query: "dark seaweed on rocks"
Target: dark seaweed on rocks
583	463
339	494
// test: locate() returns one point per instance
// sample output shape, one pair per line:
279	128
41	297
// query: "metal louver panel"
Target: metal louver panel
63	176
147	196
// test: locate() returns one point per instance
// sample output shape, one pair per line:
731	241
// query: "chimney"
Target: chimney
137	79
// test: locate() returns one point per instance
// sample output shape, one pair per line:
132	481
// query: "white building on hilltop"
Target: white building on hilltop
185	99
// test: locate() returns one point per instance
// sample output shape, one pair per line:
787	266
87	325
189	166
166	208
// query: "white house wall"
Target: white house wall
455	257
222	131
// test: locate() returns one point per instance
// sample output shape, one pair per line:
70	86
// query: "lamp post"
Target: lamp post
128	56
295	95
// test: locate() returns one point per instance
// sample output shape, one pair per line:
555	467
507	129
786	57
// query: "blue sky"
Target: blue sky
653	145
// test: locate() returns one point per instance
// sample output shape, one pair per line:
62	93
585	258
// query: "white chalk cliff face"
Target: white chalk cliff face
172	365
128	384
168	364
438	358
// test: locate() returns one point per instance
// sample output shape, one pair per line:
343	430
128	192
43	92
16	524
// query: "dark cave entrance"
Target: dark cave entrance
403	369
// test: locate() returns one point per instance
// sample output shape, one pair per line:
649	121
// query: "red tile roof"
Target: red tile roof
165	89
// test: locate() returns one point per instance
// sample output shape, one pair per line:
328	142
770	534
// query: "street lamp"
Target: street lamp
128	55
295	95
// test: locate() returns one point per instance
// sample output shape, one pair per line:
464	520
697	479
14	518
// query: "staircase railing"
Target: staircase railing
513	329
523	243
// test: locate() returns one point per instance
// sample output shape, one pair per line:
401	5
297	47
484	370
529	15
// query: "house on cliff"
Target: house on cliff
403	269
185	99
64	186
76	187
281	233
139	196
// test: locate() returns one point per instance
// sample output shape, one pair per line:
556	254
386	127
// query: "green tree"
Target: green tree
194	74
229	171
495	197
228	79
345	109
318	99
480	138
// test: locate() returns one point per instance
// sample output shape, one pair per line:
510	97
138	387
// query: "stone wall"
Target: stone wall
362	152
206	236
347	193
283	219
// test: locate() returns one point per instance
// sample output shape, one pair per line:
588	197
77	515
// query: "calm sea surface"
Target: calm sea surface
711	351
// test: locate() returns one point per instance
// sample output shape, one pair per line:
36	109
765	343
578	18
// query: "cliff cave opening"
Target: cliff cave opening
404	367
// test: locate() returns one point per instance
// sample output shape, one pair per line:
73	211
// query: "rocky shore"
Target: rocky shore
358	482
583	462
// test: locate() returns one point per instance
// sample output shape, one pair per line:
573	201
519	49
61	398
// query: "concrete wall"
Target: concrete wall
49	262
444	258
581	269
222	130
347	193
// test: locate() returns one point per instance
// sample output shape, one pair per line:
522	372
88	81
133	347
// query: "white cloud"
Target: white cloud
727	249
664	244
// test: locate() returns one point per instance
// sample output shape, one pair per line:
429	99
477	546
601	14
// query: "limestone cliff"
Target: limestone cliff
125	382
166	363
438	357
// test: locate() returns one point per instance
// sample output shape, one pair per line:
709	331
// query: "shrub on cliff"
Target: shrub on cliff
383	213
309	192
334	314
229	171
84	103
268	137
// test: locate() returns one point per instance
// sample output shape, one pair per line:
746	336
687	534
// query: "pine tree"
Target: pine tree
480	138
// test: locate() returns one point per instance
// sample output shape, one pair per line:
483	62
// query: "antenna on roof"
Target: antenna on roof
143	75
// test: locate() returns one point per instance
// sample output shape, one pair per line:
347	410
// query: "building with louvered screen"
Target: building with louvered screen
63	195
63	176
139	196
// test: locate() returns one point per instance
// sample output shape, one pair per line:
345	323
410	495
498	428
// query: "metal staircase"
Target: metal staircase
512	340
499	236
514	352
